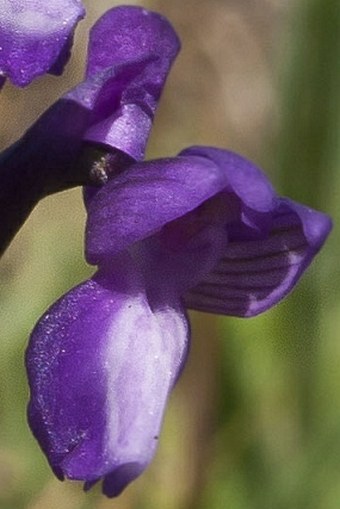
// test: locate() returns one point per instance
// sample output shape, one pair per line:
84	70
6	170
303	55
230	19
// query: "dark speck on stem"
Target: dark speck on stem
24	183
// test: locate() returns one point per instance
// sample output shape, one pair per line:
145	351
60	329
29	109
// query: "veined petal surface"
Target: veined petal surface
254	274
36	37
101	364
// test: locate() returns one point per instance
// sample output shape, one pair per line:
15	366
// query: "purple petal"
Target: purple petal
131	34
247	182
244	178
140	201
255	274
36	37
101	365
130	54
217	227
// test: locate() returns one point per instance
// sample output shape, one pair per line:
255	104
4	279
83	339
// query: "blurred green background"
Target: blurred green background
254	422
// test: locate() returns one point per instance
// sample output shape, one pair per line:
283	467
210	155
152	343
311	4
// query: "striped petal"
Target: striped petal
255	274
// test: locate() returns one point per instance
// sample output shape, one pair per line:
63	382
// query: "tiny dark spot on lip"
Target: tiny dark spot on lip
156	437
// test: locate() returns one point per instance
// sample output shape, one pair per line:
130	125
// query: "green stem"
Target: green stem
307	150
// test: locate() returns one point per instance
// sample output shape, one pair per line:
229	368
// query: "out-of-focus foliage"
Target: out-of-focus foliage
254	422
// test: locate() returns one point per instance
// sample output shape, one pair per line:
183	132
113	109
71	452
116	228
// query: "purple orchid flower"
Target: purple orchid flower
36	37
203	230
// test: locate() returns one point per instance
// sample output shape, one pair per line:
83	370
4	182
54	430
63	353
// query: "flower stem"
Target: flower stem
24	184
